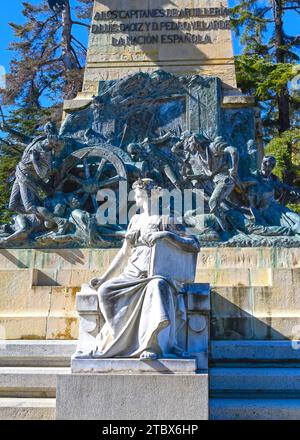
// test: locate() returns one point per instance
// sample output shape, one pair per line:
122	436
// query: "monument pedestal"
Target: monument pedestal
254	291
164	389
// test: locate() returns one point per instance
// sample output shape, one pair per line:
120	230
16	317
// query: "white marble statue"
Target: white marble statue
139	309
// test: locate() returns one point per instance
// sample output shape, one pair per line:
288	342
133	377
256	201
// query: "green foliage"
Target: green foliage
269	59
7	167
29	120
262	77
286	149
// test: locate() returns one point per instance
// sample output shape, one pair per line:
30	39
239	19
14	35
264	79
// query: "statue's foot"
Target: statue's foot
149	355
83	355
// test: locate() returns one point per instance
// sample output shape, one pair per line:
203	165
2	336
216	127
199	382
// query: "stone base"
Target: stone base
132	397
135	366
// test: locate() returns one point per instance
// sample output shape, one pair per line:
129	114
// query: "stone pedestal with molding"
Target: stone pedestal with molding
173	395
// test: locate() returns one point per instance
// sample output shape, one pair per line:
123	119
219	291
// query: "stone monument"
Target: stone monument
153	322
162	110
159	102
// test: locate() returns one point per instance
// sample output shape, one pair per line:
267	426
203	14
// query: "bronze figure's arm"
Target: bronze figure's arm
234	155
42	163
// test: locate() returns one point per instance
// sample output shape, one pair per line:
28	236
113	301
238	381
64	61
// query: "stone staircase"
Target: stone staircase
249	380
28	373
254	380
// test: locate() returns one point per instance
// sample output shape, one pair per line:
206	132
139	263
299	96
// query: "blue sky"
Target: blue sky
12	12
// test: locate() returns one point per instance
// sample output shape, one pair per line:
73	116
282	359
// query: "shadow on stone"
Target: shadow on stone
230	322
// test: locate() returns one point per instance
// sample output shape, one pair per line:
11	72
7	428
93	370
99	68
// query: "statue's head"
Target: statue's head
196	142
98	103
50	129
54	140
268	164
145	190
59	210
251	147
134	151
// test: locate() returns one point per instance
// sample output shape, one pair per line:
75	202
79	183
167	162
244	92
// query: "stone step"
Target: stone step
27	409
254	409
29	381
255	352
255	381
39	353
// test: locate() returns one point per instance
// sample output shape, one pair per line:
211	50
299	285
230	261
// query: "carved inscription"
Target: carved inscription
161	26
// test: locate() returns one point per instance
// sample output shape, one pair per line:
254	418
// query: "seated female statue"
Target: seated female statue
140	310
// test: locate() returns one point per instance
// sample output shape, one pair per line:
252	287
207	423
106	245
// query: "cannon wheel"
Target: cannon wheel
88	170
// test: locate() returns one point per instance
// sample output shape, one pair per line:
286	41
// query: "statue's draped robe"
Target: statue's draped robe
140	311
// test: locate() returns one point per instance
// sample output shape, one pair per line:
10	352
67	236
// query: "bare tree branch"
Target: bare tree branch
81	24
77	41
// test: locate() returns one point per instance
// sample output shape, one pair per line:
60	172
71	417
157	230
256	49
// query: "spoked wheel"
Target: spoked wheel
89	170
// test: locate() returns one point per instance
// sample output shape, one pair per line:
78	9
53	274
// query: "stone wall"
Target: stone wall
255	291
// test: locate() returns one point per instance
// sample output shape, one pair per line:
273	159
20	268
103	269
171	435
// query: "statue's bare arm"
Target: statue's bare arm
185	242
234	155
42	163
114	266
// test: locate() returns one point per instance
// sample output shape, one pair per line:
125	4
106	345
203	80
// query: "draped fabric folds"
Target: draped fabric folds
140	311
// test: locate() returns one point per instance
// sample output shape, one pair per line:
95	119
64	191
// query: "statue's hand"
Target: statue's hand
233	172
152	237
95	283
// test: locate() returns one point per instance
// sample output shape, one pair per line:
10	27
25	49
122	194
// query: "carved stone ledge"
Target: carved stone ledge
238	101
134	366
73	105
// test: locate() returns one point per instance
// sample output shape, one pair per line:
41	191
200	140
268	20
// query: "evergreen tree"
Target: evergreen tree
267	65
269	57
49	59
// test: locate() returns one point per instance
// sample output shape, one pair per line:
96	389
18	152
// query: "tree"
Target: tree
286	149
49	58
265	68
269	57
